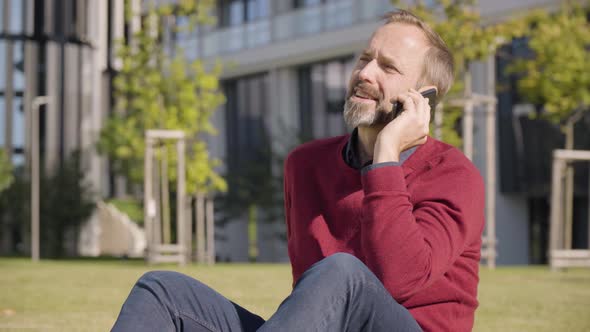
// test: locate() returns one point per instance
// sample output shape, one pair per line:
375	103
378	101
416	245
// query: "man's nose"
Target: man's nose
368	72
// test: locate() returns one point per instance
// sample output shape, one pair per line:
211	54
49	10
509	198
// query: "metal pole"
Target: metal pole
468	117
491	167
37	102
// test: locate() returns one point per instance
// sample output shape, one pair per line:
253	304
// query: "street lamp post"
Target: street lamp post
37	102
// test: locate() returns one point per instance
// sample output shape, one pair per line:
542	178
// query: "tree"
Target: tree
460	25
67	201
557	76
6	177
157	90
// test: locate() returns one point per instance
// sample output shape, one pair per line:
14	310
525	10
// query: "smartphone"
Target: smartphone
429	94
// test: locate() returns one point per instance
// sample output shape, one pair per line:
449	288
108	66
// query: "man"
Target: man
384	225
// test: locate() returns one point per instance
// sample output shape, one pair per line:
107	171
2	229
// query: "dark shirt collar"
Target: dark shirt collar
352	159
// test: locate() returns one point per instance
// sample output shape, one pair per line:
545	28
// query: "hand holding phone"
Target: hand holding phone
405	131
429	94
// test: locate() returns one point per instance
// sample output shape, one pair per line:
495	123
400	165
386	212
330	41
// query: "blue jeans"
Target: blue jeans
339	293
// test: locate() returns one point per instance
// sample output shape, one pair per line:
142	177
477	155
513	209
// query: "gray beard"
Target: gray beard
357	114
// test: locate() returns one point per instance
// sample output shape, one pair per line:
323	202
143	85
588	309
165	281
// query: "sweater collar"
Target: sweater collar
352	159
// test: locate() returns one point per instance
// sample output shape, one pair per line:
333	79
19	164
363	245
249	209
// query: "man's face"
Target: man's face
390	65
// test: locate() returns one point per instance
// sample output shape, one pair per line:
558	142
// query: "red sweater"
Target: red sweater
417	226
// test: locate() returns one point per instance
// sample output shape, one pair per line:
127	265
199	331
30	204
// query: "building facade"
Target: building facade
63	50
287	64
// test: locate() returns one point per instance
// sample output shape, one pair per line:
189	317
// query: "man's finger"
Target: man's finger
420	102
407	101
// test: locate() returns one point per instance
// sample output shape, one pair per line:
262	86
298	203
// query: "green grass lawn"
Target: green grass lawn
86	295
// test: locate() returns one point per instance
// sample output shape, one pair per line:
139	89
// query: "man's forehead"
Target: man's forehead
397	41
397	36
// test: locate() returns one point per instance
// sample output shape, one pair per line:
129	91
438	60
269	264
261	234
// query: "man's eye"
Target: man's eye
391	69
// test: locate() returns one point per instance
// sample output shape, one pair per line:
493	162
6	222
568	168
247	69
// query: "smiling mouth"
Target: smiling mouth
363	95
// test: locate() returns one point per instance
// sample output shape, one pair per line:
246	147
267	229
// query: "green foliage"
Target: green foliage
131	207
460	25
198	12
15	202
66	201
557	76
156	91
6	177
452	115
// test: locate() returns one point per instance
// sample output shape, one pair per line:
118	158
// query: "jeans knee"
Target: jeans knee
161	280
161	276
343	266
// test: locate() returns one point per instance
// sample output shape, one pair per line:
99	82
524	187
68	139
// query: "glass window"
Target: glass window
246	117
18	159
257	9
322	89
306	3
335	86
232	12
18	123
19	66
236	12
16	16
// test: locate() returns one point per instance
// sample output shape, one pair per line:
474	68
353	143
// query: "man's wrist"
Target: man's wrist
385	151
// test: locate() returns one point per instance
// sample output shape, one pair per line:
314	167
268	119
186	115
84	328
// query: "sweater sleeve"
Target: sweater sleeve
411	242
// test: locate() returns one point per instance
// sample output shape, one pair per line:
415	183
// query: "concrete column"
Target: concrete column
29	16
99	96
31	65
52	111
117	29
49	16
72	90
